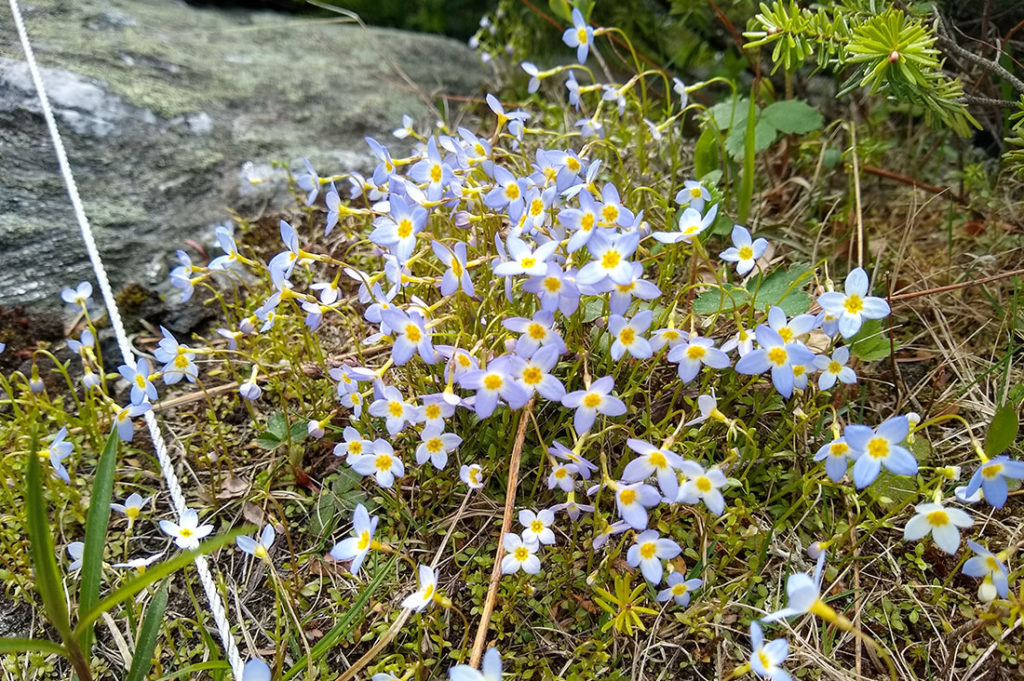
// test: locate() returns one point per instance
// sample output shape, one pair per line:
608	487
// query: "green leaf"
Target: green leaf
156	573
345	625
782	288
278	426
705	155
871	343
561	9
191	669
145	642
298	432
44	561
764	135
268	441
793	116
731	113
13	646
1002	432
96	531
725	298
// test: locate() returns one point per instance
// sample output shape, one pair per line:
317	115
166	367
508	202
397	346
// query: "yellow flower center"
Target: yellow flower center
991	564
537	526
412	332
493	381
679	589
528	262
610	259
746	253
587	222
404	228
532	375
938	518
581	36
432	411
610	213
766	661
704	484
572	164
657	459
647	549
695	192
396	409
132	512
553	284
435	173
853	304
627	496
383	462
260	551
428	592
536	331
185	532
512	191
834	367
786	334
140	380
364	540
180	362
474	475
991	471
465	361
670	334
521	553
695	352
355	448
777	356
838	449
878	447
627	336
536	207
591	400
456	267
799	370
561	472
434	445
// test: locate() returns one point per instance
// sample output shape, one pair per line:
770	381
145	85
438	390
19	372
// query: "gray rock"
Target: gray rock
167	110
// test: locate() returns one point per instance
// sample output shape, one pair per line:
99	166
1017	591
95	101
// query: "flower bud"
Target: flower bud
814	550
986	591
315	429
250	391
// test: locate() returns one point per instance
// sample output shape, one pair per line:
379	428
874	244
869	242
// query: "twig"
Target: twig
953	287
506	524
934	189
946	41
856	194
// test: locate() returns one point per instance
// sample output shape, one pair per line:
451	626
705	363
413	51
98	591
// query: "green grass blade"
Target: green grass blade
13	646
746	191
44	561
145	642
155	574
96	532
332	637
201	667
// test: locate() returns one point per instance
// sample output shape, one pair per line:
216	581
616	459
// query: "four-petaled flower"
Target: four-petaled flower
579	35
941	521
853	306
647	552
356	547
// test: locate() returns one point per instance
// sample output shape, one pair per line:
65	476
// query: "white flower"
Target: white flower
633	501
131	507
804	593
834	368
679	589
140	564
259	549
435	446
766	660
703	486
743	252
648	550
855	305
537	526
941	522
75	550
356	547
653	461
420	599
471	475
519	555
187	534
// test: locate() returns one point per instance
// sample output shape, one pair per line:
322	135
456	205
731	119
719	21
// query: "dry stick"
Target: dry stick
914	182
953	287
506	524
856	195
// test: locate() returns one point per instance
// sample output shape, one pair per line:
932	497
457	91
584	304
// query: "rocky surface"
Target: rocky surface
166	109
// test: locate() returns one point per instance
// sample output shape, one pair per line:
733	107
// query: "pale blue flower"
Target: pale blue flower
693	194
356	547
490	670
632	502
493	383
534	374
985	564
679	589
309	182
535	333
691	354
59	450
398	229
382	463
628	335
555	289
259	548
647	552
580	35
394	408
991	477
456	276
690	225
410	336
766	659
593	401
661	463
834	368
836	455
854	305
610	259
743	251
435	445
138	378
880	447
775	355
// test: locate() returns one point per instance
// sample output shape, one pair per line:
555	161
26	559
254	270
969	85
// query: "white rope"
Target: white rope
216	604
